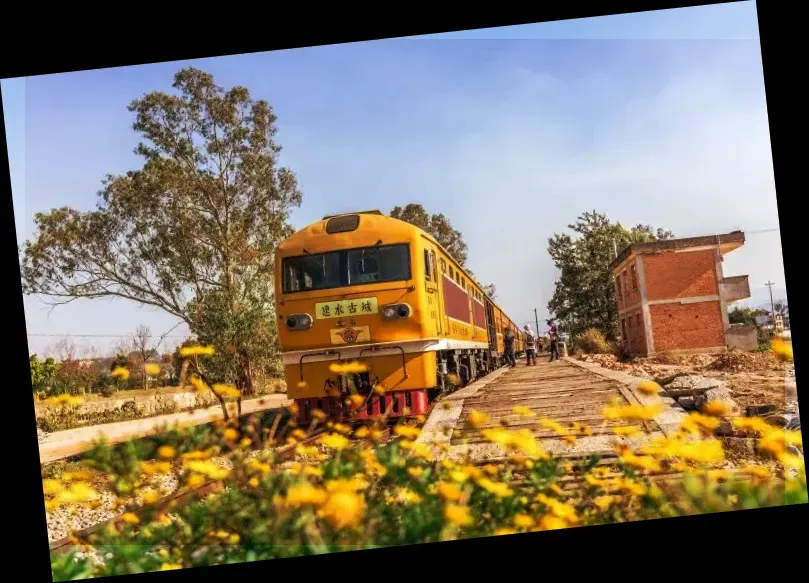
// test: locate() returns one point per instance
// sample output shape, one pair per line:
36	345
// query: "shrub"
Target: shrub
592	341
396	493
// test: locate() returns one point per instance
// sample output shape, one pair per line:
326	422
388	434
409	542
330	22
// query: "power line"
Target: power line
70	335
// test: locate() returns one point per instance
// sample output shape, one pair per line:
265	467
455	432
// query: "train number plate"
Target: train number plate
343	308
350	335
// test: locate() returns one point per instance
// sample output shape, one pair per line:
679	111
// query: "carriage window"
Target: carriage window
451	272
427	264
316	271
443	266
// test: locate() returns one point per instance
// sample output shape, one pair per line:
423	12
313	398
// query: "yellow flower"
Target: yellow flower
755	471
342	428
354	401
504	531
120	372
52	486
632	412
379	389
641	462
348	368
198	384
304	494
499	489
77	493
260	466
415	472
523	521
226	391
207	468
355	484
697	424
449	491
715	409
581	428
187	351
343	509
556	489
307	450
407	431
195	480
553	426
557	508
334	441
605	502
253	482
166	452
626	431
150	497
490	469
170	566
152	369
755	424
648	387
523	411
551	522
458	515
130	518
781	349
362	432
476	418
407	496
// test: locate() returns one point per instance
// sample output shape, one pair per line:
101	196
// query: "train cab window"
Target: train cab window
427	273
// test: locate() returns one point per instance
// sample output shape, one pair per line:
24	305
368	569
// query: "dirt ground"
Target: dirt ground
752	378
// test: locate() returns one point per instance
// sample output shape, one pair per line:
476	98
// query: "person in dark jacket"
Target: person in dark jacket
508	343
530	347
553	334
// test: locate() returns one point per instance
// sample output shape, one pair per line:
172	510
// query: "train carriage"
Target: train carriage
365	287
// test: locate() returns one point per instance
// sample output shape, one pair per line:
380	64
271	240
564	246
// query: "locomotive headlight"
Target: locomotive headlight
299	322
396	312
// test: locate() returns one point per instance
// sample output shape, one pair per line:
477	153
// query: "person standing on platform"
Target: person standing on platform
553	334
530	347
508	343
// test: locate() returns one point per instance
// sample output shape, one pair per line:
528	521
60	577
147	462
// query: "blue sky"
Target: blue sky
656	118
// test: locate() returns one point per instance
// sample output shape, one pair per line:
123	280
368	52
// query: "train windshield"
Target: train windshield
347	267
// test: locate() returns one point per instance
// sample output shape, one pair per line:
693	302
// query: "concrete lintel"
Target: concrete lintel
689	300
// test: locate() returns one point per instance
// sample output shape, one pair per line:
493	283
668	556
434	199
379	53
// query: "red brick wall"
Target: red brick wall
687	326
635	332
680	275
630	296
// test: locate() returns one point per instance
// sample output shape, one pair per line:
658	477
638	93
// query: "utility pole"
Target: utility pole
536	318
769	284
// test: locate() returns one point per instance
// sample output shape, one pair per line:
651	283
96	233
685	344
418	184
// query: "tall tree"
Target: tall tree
585	294
440	227
192	232
142	342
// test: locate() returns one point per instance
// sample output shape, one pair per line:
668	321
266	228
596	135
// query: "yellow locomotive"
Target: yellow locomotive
365	287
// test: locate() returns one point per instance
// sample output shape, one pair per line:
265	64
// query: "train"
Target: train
372	291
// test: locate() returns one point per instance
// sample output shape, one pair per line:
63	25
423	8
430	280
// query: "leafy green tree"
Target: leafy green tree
196	226
585	293
439	226
43	372
744	315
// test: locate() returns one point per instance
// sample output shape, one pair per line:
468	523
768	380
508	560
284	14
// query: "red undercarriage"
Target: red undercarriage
397	404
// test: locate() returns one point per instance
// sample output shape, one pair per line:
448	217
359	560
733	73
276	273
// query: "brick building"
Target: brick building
672	296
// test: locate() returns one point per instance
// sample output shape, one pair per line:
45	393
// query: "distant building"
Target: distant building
672	296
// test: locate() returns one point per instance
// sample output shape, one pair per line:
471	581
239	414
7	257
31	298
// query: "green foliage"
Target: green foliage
381	495
585	293
43	373
200	219
439	226
744	315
